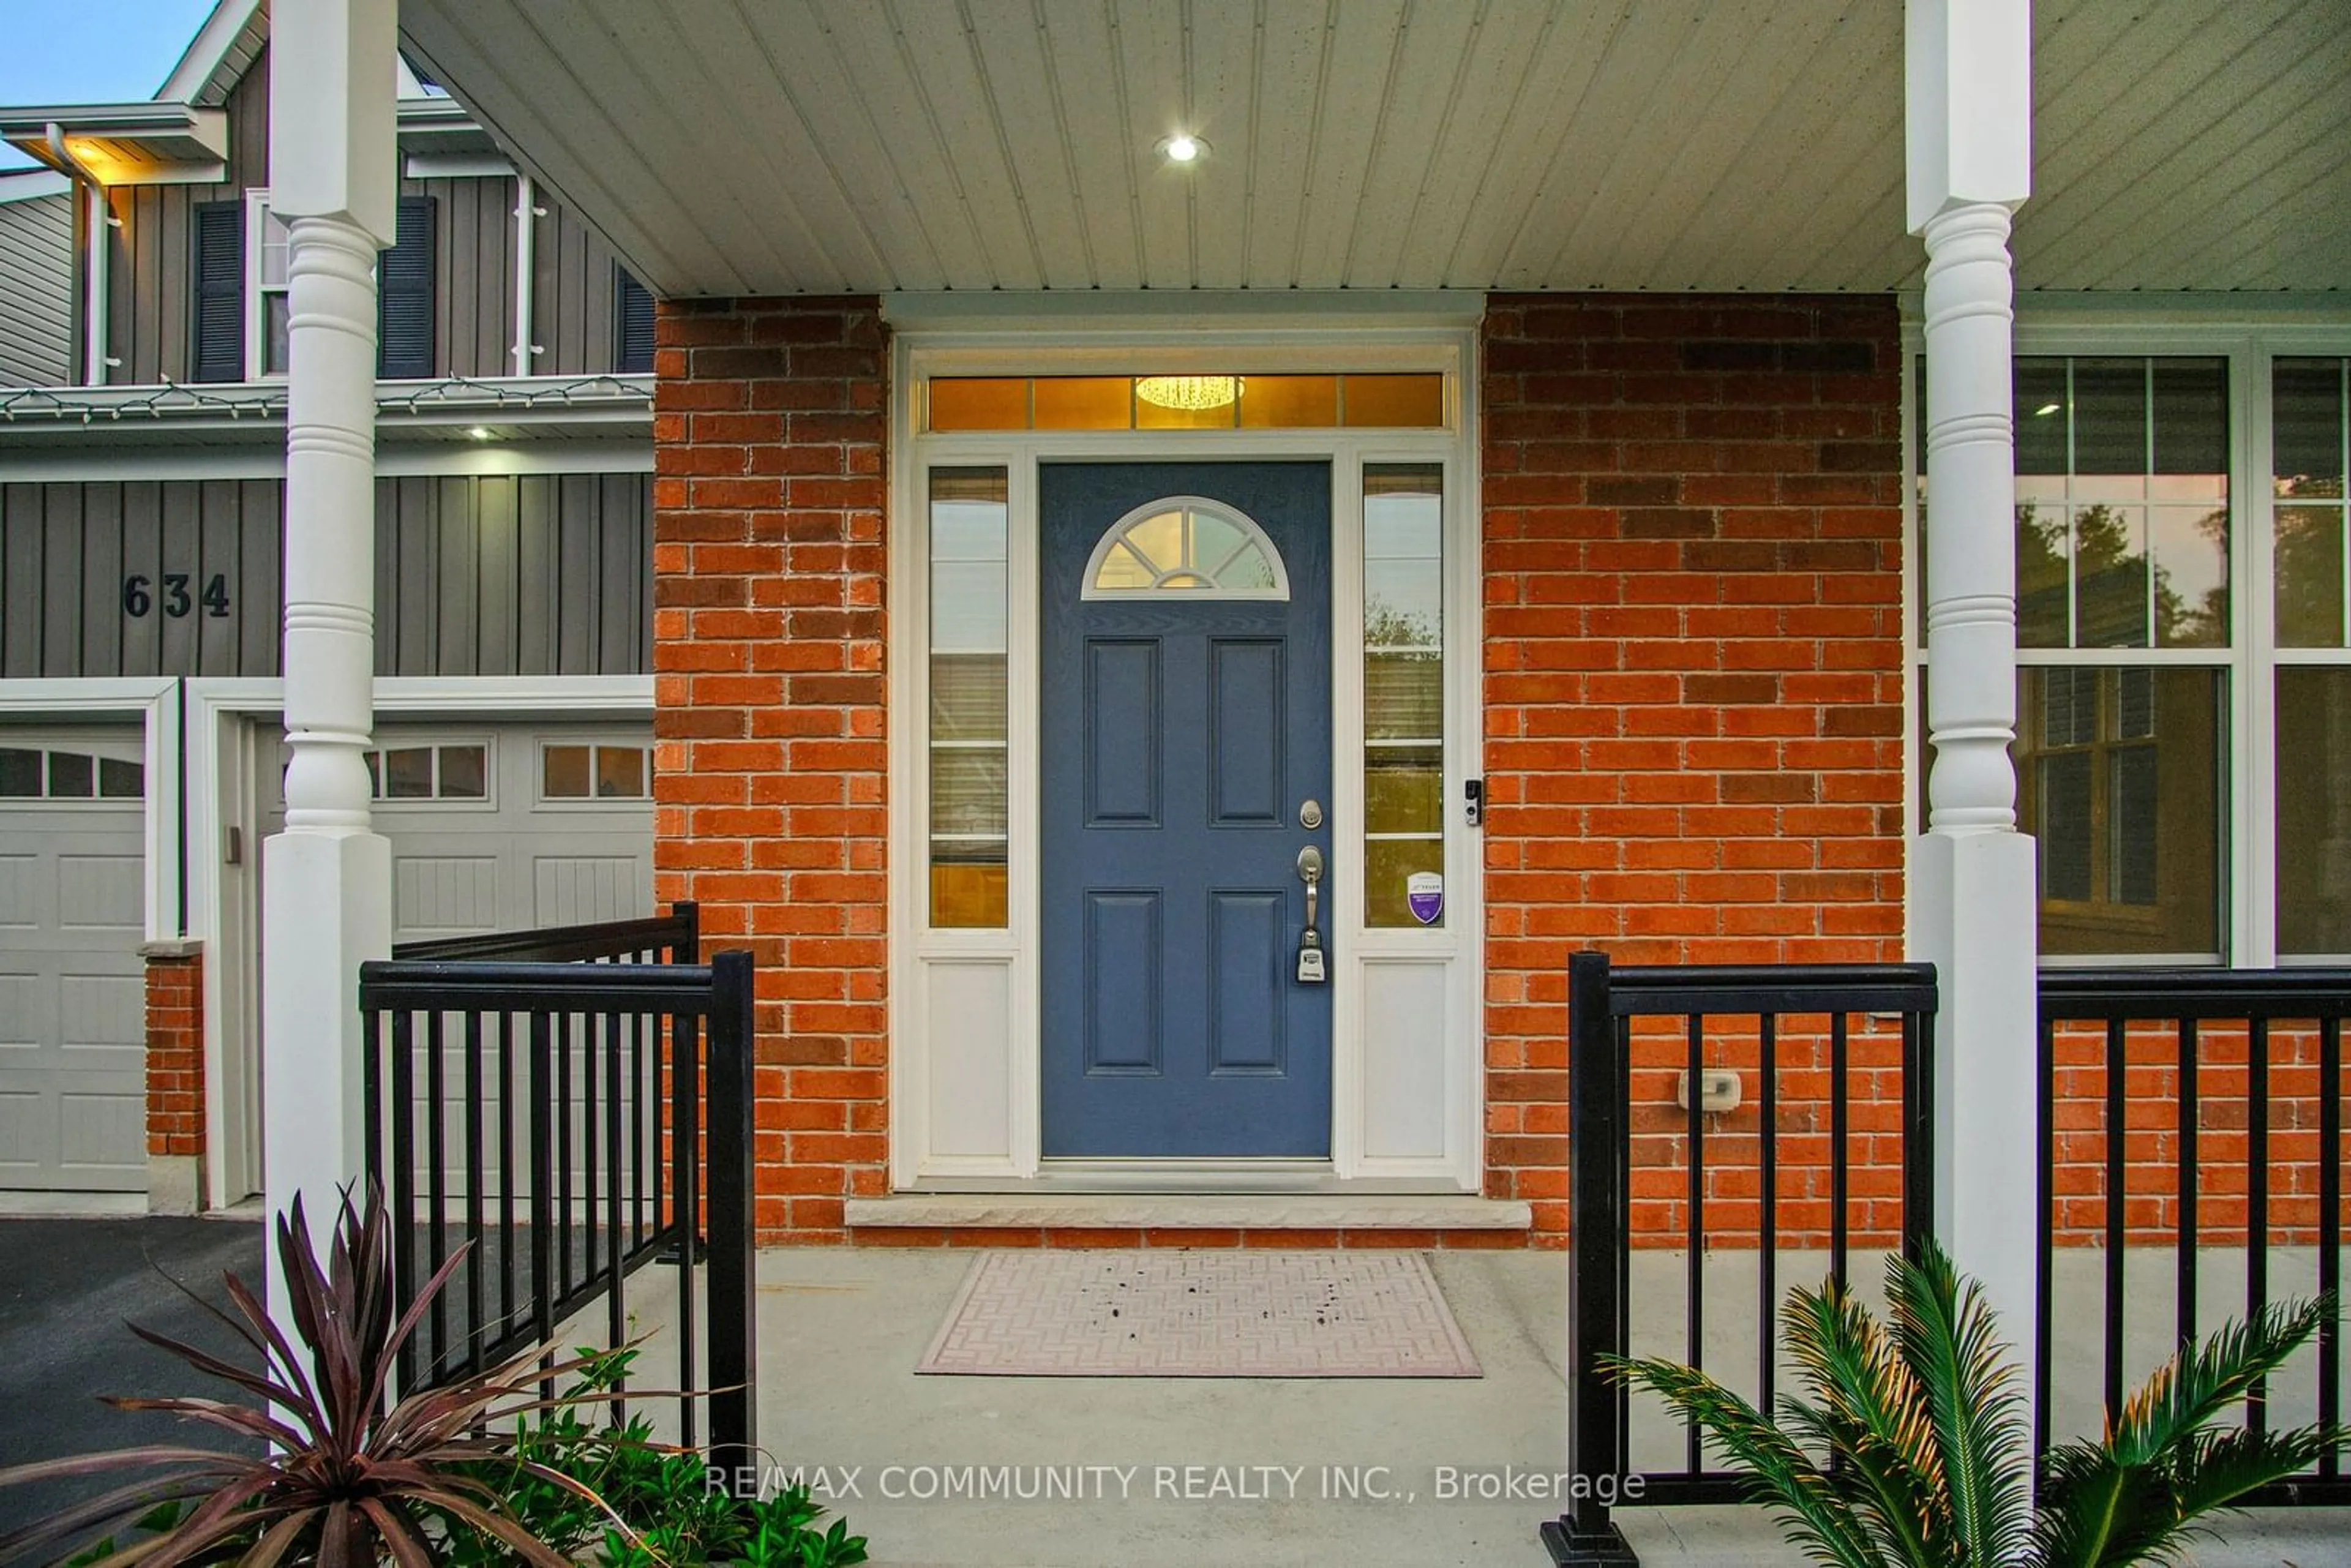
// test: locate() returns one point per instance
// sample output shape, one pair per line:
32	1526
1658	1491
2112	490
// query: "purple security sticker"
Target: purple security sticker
1424	894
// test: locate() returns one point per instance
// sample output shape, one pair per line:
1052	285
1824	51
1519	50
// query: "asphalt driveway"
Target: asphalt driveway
66	1287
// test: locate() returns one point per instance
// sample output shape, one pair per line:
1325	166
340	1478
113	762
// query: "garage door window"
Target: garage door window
460	772
595	773
27	773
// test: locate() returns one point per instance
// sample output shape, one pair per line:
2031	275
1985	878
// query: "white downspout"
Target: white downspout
525	250
99	221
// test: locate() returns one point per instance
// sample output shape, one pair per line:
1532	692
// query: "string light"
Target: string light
176	400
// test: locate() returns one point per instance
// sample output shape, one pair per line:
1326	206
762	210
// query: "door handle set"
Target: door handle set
1312	970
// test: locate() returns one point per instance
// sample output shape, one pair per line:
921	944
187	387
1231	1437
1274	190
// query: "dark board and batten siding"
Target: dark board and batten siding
541	574
36	289
112	579
474	274
531	575
574	279
150	274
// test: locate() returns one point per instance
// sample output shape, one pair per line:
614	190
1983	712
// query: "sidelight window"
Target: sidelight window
1404	695
968	781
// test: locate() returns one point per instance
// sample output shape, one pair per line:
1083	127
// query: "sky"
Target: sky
89	51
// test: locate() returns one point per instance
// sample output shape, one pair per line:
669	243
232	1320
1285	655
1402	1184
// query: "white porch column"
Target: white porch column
326	879
1969	106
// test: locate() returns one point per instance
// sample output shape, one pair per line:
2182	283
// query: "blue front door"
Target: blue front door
1186	721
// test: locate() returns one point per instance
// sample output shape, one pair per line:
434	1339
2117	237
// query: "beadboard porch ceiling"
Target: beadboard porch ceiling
780	146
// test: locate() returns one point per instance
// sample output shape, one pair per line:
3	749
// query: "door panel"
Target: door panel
1180	731
1121	736
73	993
1124	983
1245	730
1247	938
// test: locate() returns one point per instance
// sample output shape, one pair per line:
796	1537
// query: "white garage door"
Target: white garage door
73	1006
511	827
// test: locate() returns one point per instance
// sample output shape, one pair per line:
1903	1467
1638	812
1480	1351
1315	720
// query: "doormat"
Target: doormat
1180	1313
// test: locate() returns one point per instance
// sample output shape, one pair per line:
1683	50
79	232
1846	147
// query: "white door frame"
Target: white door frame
964	1065
223	905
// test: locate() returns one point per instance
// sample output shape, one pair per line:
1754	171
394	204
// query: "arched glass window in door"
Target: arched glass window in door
1185	545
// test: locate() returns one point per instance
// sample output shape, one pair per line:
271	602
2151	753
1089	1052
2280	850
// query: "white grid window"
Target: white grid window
265	289
2183	548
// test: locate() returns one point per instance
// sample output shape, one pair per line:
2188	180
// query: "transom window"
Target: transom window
1218	402
1185	544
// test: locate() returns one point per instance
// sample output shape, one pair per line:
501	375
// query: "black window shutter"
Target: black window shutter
632	324
404	295
219	345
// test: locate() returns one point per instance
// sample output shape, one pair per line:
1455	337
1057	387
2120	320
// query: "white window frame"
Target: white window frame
918	954
257	318
2251	340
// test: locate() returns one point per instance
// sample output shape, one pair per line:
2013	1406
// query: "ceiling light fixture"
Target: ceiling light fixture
2044	411
1192	393
1182	148
479	433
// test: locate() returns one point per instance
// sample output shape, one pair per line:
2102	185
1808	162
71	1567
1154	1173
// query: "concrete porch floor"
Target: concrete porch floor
840	1332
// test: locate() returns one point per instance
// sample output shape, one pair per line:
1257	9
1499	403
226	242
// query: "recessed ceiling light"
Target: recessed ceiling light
479	433
1181	148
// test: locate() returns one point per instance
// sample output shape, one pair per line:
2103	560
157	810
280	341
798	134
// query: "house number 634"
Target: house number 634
139	595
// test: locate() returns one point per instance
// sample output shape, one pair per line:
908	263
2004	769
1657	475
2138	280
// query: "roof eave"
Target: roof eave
211	55
123	144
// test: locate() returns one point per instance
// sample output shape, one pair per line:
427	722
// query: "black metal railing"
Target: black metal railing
1800	1073
672	938
2193	1094
571	1105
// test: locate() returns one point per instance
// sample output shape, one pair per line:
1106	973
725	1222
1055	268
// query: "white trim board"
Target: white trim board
261	460
988	982
1115	320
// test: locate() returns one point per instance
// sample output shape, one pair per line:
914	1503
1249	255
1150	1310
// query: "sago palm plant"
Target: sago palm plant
1932	1462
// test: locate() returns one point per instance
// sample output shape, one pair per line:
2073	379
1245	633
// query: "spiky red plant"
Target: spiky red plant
345	1480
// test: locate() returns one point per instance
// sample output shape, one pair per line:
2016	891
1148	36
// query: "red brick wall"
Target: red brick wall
1693	661
769	812
176	1055
1692	682
1693	753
